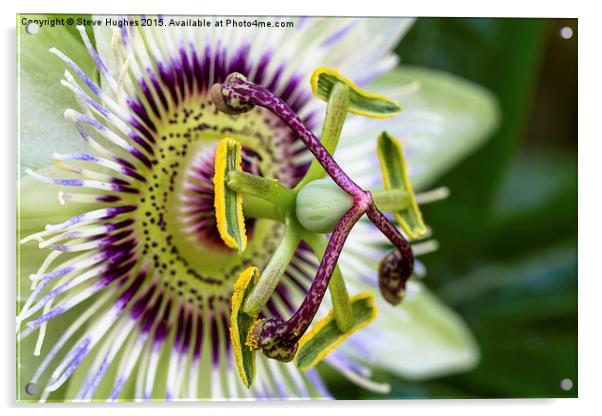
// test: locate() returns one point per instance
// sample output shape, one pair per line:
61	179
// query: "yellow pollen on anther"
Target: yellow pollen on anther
246	279
219	182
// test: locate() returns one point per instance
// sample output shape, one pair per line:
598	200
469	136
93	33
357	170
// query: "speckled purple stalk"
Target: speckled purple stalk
240	95
289	332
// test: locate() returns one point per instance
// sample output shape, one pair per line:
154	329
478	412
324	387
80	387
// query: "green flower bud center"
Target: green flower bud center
321	204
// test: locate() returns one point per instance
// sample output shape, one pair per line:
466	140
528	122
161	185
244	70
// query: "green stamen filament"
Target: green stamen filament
336	113
263	291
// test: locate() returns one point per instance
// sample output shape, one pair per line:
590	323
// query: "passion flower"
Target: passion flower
139	284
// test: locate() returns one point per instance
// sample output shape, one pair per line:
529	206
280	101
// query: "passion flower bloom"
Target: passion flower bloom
126	280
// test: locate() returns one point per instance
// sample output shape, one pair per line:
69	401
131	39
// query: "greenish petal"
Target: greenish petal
42	100
444	119
28	363
103	39
419	339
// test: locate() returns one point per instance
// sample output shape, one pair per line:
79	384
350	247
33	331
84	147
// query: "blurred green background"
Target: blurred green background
508	234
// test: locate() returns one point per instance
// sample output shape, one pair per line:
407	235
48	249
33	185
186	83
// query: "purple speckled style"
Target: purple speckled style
292	330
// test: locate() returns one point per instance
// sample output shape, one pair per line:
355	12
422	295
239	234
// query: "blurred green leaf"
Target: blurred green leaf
537	203
524	314
502	55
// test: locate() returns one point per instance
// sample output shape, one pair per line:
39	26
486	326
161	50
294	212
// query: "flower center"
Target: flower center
176	219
